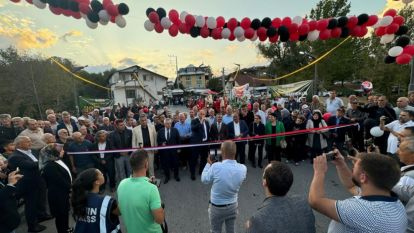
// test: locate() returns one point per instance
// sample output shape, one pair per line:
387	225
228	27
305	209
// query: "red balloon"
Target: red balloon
112	10
293	28
304	21
84	8
356	30
245	23
276	22
391	12
262	38
29	1
322	24
158	28
274	39
76	15
232	24
399	20
261	32
404	59
380	31
112	19
336	32
373	19
220	21
154	17
294	36
352	22
184	28
173	30
249	33
174	16
190	20
67	12
287	21
15	1
303	29
325	34
204	32
312	25
55	10
216	33
232	37
393	28
363	32
409	49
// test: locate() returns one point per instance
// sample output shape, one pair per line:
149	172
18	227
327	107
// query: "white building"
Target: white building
136	83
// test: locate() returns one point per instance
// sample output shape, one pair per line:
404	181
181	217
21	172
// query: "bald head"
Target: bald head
48	138
77	137
228	149
402	102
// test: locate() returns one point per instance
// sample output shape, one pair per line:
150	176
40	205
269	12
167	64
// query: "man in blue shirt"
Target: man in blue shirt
227	177
184	129
228	118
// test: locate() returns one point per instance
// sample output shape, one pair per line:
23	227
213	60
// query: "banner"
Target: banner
90	104
292	89
241	91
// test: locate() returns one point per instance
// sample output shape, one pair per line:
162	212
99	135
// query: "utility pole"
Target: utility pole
35	92
411	85
222	81
176	69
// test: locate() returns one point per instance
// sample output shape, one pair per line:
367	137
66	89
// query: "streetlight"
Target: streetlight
315	75
75	90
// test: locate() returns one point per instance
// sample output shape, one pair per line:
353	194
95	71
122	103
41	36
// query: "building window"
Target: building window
130	94
152	78
188	83
188	79
144	77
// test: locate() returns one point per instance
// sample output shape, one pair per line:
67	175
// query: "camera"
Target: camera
156	182
330	156
215	155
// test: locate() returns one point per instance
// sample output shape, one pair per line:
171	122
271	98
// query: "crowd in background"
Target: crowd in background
42	149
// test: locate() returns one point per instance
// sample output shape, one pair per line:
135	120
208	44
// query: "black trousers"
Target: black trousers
252	153
30	193
169	160
273	153
357	138
241	152
108	171
59	208
202	152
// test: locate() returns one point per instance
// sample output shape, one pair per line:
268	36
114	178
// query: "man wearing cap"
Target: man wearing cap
333	103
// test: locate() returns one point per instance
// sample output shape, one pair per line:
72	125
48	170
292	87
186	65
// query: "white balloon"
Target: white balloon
386	21
376	132
387	38
254	38
120	21
103	22
200	21
148	25
377	24
241	39
225	33
313	35
83	15
90	24
165	22
103	15
298	20
183	15
238	32
39	4
211	22
395	51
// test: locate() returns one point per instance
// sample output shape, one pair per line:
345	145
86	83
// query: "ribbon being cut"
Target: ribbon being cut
154	148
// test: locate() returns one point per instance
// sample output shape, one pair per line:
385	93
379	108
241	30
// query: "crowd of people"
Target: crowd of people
46	163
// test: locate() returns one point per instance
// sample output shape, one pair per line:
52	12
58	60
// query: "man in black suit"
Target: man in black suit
27	188
256	128
106	162
121	138
67	124
337	136
199	134
219	131
169	158
9	217
239	129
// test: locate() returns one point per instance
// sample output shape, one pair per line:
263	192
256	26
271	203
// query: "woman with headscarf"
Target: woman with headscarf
58	180
316	139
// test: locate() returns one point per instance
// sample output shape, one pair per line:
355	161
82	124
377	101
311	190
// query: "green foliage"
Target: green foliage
215	84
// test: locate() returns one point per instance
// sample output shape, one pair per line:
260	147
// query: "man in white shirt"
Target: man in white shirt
406	155
259	112
395	128
333	103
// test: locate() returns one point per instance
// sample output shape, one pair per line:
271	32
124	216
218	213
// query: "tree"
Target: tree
215	84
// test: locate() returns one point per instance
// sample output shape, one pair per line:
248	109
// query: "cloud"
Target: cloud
22	32
392	4
128	61
151	67
231	48
71	33
98	68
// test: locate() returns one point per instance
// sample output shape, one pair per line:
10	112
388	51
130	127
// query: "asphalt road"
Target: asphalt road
187	201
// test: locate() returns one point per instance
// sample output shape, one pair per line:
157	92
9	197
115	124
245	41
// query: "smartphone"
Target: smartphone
330	156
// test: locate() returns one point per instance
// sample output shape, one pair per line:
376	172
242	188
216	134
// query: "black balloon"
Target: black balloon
345	32
402	30
402	41
161	12
93	17
53	3
363	18
303	37
266	22
225	25
63	4
284	33
342	21
149	10
96	6
271	31
389	59
332	23
123	9
73	6
44	1
195	31
255	24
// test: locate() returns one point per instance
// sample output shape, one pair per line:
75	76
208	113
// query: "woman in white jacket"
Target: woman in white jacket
316	139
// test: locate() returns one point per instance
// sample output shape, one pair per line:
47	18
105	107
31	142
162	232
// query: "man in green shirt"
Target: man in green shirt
139	200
